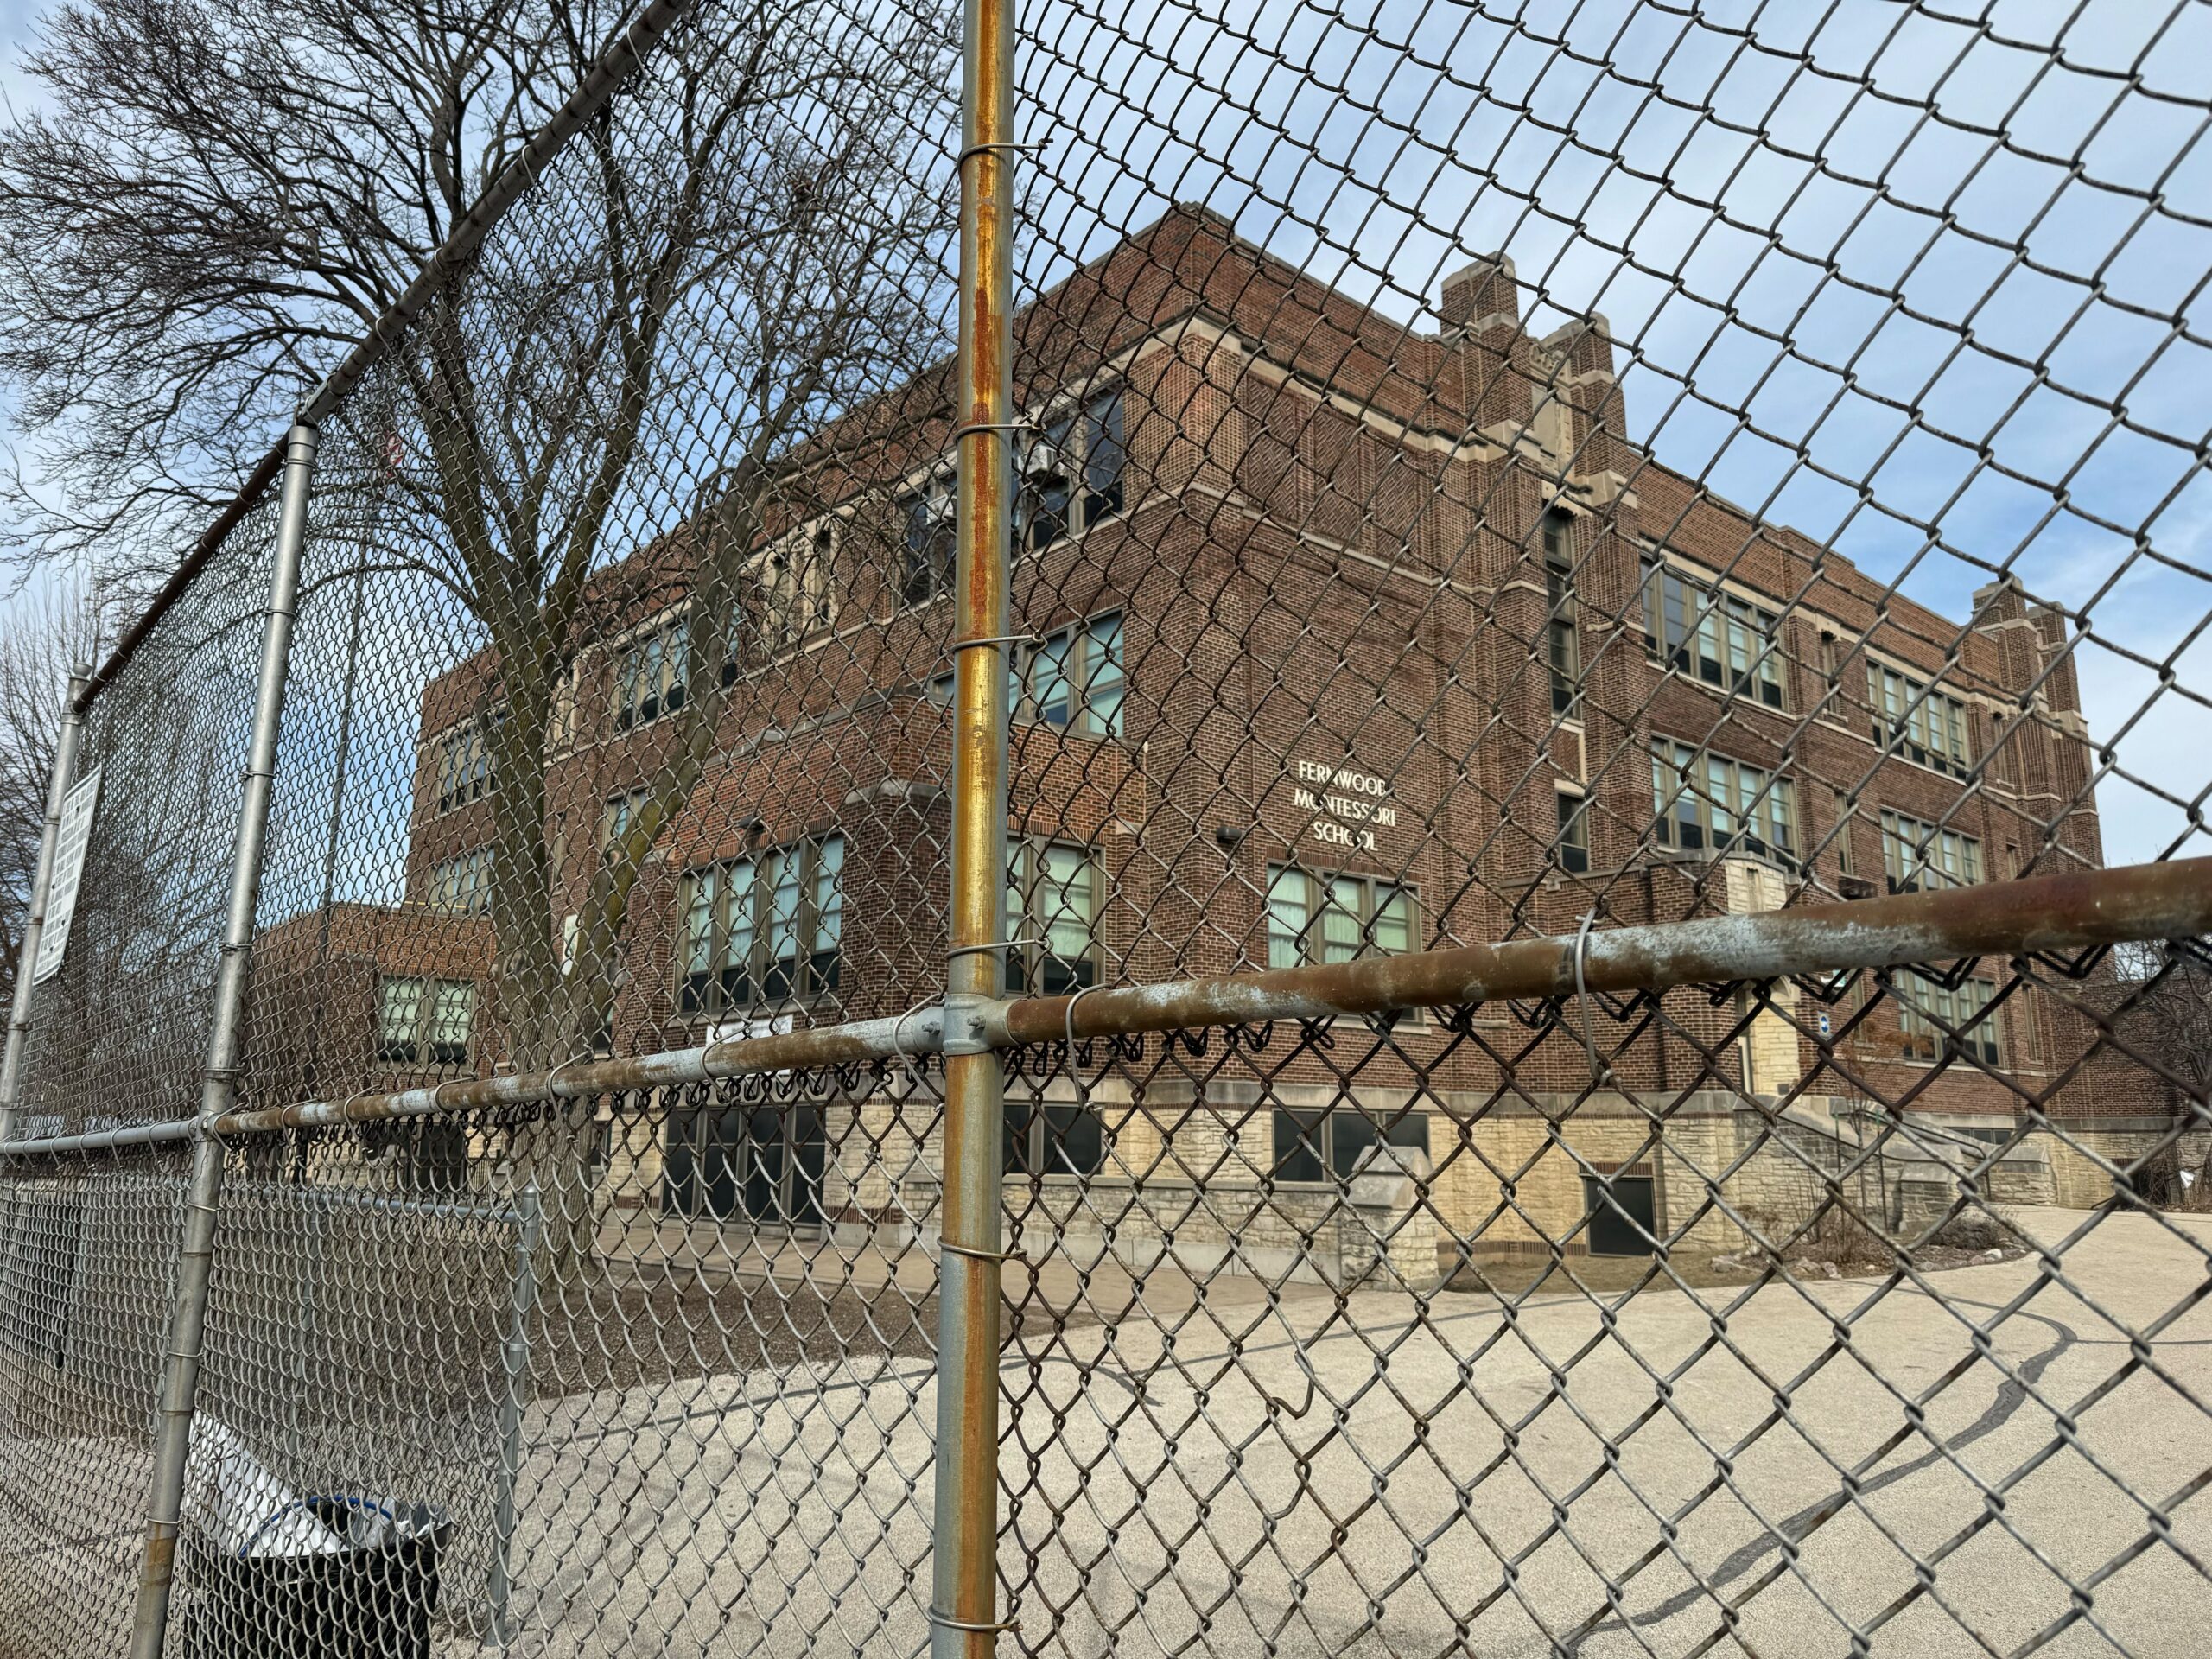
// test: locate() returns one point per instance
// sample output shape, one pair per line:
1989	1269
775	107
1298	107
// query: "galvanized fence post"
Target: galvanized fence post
196	1248
963	1615
65	773
514	1397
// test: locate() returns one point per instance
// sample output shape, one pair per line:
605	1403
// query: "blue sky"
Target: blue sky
1805	225
1881	273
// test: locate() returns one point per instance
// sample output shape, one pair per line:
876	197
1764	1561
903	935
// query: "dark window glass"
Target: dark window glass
1618	1207
1104	455
1574	833
1052	1140
929	531
1298	1146
1318	1146
1072	476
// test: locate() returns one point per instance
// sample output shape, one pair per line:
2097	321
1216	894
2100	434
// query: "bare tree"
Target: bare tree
2166	1006
216	203
753	242
761	259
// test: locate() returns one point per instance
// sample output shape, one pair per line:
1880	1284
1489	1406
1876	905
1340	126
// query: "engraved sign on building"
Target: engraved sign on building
1348	806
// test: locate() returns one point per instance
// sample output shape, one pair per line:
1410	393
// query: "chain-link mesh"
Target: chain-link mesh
84	1304
119	1034
1477	476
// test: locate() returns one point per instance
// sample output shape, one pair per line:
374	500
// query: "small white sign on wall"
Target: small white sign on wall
1348	805
75	835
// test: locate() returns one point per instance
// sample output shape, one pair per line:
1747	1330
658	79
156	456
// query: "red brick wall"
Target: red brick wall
1332	554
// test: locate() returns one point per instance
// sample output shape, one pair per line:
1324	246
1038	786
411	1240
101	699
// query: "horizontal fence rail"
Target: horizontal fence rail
2058	913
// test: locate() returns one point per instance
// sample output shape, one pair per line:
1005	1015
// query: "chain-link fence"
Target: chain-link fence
1366	831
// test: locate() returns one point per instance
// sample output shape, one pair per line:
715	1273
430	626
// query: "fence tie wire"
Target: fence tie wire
977	150
1600	1073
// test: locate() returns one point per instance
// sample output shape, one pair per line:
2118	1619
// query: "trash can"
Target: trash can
337	1577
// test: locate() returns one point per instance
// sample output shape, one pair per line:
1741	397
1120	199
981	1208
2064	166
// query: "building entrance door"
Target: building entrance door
786	1152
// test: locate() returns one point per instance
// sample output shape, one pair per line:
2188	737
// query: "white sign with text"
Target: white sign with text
1349	805
69	845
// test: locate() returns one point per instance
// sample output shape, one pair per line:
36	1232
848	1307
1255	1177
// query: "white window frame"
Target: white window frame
1037	911
1916	721
1563	625
417	1030
1685	772
1737	636
659	655
1320	898
1573	826
1088	662
1073	435
463	885
465	770
1917	855
616	814
797	598
925	565
1966	1008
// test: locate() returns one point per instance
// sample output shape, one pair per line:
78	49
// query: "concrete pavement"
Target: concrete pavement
1224	1475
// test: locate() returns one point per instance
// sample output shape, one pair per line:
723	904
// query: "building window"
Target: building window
1324	919
1072	474
786	596
1319	1146
765	1164
1927	1006
1574	844
927	516
1072	679
1705	801
617	815
1562	626
1622	1214
764	929
1052	1140
425	1022
463	885
651	675
1844	814
561	720
1711	634
1924	726
1917	855
1052	904
465	762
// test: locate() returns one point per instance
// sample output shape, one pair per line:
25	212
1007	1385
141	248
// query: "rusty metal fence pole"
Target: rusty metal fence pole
964	1606
19	1020
196	1247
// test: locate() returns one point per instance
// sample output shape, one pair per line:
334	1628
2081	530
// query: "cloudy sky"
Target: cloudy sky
1905	280
1904	277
